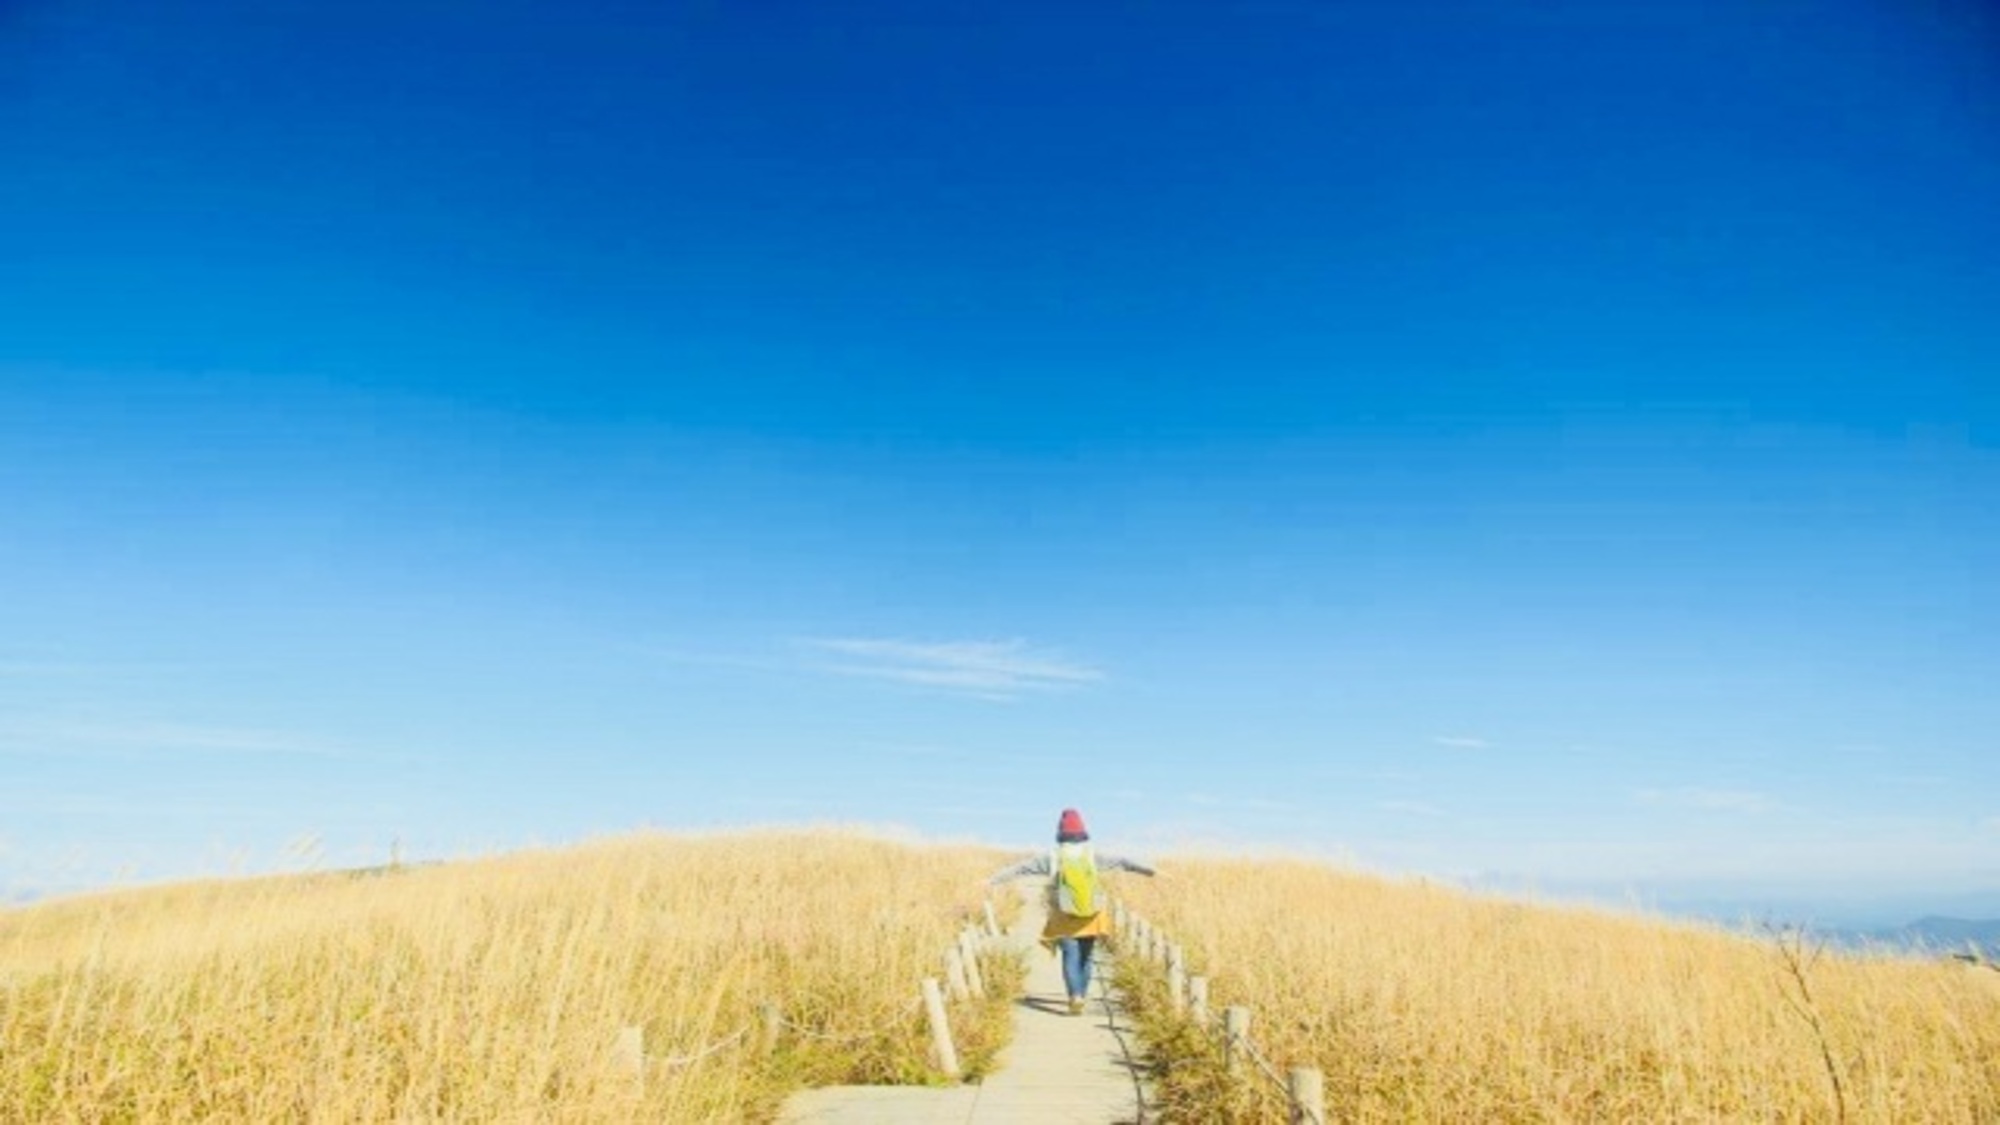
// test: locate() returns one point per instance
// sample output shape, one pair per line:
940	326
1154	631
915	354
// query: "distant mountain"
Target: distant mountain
1949	934
1852	910
1929	935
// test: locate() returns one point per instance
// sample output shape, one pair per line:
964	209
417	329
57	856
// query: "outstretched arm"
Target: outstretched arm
1033	865
1120	863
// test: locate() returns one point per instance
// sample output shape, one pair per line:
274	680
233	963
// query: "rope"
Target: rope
1264	1064
677	1061
855	1037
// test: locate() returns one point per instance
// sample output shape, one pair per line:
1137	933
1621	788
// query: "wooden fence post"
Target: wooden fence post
992	919
1235	1036
1308	1088
774	1025
947	1055
954	974
1177	989
628	1052
1198	999
968	948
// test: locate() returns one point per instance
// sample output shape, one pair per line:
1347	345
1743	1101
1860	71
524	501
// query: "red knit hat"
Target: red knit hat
1071	824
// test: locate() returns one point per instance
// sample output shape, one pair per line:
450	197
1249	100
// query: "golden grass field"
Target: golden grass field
493	989
1422	1003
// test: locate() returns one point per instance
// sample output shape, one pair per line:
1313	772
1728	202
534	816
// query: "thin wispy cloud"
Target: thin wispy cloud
1411	808
990	669
1460	741
1708	800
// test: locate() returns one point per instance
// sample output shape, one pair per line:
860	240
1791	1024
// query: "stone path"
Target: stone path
1059	1069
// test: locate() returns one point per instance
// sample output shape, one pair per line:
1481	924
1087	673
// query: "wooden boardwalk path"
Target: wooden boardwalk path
1059	1069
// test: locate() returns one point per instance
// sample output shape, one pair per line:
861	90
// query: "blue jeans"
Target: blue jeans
1076	964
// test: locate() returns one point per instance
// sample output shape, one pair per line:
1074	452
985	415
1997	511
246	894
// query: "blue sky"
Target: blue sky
1554	444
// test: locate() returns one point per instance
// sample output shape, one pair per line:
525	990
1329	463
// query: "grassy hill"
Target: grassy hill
1421	1003
495	989
489	990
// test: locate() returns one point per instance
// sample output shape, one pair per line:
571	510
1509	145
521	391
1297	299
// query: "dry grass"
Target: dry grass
1420	1003
489	990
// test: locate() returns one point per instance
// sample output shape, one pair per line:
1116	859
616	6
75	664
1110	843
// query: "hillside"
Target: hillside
489	990
495	989
1423	1003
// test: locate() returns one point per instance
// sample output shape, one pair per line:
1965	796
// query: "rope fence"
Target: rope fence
819	1036
965	982
1188	994
675	1062
1302	1087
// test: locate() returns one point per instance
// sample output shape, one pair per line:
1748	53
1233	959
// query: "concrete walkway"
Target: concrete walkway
1059	1069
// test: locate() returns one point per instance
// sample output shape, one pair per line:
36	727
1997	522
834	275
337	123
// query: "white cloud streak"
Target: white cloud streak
1411	808
1460	741
990	669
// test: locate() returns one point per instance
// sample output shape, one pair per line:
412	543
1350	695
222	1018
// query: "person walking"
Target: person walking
1077	917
